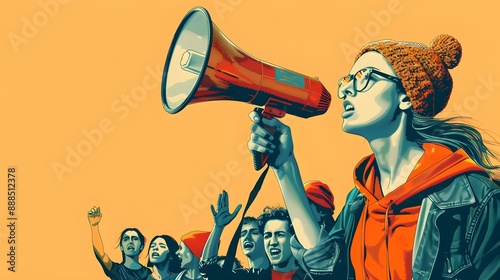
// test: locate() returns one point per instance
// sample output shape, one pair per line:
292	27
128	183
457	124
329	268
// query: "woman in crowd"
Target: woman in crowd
162	259
131	244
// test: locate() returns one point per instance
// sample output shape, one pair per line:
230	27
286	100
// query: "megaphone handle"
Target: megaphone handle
260	159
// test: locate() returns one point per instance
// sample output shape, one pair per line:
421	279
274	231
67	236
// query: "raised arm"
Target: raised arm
222	218
94	216
287	172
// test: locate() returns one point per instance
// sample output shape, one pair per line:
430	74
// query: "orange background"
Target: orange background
70	71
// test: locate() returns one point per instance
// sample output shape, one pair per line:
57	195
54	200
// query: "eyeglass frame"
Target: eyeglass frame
352	77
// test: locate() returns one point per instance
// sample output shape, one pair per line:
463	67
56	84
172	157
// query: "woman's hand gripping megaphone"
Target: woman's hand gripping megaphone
270	141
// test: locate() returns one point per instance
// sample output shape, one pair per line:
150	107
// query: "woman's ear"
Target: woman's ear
404	102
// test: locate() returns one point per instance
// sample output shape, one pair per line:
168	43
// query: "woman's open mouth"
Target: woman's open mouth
248	245
348	109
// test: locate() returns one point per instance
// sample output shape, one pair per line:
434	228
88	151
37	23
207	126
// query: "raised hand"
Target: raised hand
94	215
222	216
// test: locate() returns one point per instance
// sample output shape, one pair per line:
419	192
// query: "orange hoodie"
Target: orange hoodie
383	241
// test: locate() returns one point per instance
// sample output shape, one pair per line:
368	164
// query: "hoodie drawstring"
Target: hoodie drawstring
386	230
364	217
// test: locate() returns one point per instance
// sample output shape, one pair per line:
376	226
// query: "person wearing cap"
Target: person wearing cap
322	204
424	204
190	250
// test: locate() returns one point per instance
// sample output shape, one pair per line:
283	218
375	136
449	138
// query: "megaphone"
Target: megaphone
204	65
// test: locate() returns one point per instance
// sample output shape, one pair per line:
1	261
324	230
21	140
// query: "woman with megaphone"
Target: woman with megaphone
425	204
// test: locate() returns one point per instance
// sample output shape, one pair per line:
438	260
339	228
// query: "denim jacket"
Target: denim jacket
457	234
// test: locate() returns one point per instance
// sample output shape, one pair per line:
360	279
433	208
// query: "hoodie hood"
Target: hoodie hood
387	225
437	164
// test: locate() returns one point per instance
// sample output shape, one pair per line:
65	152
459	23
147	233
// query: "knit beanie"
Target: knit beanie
319	193
423	70
195	241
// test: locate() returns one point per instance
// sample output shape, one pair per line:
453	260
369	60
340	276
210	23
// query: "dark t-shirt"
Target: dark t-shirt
170	277
212	271
119	271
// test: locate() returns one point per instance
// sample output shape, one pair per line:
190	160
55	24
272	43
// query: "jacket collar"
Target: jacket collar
458	193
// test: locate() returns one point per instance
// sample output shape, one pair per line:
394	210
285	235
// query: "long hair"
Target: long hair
142	239
455	135
175	263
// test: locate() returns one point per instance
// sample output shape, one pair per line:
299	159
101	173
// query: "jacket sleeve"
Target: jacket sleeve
211	270
329	259
320	260
485	239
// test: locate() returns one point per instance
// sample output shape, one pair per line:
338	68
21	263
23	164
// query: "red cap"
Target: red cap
195	241
319	193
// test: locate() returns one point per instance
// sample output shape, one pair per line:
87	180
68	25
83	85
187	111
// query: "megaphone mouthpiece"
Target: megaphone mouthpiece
192	61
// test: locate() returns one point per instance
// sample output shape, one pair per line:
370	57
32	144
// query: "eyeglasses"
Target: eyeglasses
362	77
